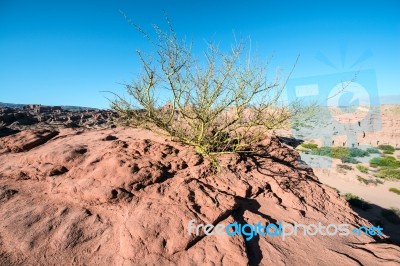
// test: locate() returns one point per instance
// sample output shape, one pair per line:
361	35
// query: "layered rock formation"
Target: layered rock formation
37	116
125	197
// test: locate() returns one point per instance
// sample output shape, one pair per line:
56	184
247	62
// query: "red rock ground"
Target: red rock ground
125	196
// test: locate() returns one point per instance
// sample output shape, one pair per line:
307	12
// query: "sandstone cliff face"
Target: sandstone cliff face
125	197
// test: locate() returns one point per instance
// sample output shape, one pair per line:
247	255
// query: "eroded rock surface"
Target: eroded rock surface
125	197
34	116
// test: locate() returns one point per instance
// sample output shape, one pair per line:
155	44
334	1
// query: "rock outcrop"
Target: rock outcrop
125	197
37	116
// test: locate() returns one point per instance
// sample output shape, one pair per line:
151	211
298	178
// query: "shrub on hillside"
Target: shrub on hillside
222	103
372	150
369	181
389	173
395	190
349	160
362	168
310	146
343	153
345	167
387	149
384	161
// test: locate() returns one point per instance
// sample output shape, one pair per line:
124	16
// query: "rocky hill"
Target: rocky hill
65	107
34	116
118	196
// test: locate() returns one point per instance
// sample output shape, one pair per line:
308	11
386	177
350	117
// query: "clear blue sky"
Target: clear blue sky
66	52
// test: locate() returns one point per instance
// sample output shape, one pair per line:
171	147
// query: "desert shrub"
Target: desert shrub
387	149
384	161
362	180
310	146
356	201
340	152
349	160
345	167
356	152
323	151
372	150
343	153
369	181
395	190
221	103
388	173
392	215
335	152
362	168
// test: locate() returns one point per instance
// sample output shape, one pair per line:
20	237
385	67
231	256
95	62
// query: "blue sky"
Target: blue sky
67	52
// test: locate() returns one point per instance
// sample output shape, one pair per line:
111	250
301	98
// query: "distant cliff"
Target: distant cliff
16	117
65	107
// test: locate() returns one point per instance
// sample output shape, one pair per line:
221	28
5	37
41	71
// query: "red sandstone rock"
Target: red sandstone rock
27	140
80	200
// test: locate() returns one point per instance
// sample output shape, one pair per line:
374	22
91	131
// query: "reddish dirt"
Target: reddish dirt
125	197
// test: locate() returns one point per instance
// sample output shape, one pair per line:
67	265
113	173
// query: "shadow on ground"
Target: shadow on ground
4	132
293	142
387	219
